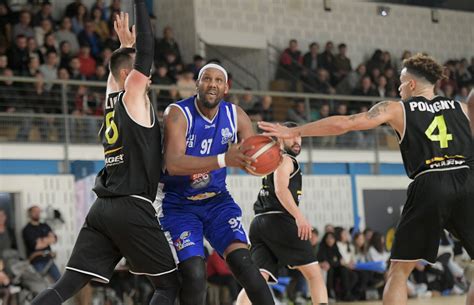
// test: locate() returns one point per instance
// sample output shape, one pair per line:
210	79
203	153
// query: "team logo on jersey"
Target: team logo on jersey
199	181
183	241
191	141
236	224
226	135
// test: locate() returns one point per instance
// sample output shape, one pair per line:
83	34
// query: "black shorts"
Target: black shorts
121	227
274	239
436	201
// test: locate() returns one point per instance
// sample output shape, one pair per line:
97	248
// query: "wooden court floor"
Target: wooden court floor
457	300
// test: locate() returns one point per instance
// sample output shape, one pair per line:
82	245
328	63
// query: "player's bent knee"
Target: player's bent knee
401	268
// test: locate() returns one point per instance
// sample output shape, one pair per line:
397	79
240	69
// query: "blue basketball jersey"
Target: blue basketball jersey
204	137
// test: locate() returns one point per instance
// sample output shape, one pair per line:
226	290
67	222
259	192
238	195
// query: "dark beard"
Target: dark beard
290	152
208	105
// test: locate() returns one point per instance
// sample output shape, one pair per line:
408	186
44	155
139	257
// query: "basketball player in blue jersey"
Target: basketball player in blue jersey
122	222
436	144
202	135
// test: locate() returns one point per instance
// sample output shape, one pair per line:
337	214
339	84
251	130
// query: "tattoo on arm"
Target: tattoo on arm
377	110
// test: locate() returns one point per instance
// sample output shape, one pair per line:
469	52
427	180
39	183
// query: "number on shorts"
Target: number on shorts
443	137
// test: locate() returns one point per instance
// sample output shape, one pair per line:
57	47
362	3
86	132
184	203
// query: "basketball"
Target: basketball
266	151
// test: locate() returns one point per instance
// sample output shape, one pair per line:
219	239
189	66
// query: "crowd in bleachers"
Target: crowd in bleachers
78	45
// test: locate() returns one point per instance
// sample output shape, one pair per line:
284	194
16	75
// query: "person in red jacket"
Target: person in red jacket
218	273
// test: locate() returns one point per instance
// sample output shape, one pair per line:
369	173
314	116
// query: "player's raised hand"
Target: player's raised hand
126	36
304	228
277	130
235	157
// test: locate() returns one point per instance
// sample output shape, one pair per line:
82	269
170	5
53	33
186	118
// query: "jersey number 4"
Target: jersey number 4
443	136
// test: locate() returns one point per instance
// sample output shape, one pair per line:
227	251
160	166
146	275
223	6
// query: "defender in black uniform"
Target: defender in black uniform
279	233
122	221
436	145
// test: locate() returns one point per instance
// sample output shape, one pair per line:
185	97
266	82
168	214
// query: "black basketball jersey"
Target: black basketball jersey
132	153
267	200
437	136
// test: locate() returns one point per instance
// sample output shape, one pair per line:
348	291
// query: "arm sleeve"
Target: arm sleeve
145	41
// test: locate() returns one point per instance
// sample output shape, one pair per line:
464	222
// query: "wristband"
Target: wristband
221	160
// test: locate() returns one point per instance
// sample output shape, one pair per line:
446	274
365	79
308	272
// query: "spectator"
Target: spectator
321	113
34	50
105	58
374	75
291	62
89	37
360	251
342	64
326	58
462	95
247	100
382	86
471	67
464	76
310	63
160	77
50	44
315	240
49	69
75	69
113	9
100	4
101	28
328	228
265	109
66	34
38	238
330	258
377	252
7	242
186	84
112	42
351	139
297	113
100	75
376	61
219	274
56	91
173	66
45	13
10	100
18	55
79	19
448	91
24	26
449	80
392	79
167	45
5	26
33	68
195	67
352	80
387	61
3	63
65	54
45	27
366	88
7	234
73	8
88	63
322	83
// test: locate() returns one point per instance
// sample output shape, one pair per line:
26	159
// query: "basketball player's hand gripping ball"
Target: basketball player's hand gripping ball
266	152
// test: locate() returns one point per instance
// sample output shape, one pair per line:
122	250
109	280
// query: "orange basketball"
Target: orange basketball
266	151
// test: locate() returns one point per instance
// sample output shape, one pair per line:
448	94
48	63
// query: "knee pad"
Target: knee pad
193	281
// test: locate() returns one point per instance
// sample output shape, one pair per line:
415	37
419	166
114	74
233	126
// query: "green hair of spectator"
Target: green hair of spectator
121	59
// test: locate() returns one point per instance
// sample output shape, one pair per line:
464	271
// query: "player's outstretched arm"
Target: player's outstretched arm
176	160
138	80
281	180
383	112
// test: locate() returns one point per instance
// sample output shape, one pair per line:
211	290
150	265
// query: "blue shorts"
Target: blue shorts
218	219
